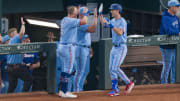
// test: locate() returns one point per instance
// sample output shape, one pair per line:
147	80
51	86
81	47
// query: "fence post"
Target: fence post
177	63
104	53
51	70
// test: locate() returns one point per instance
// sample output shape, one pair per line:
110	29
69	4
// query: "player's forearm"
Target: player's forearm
92	28
118	31
22	31
37	65
84	20
102	20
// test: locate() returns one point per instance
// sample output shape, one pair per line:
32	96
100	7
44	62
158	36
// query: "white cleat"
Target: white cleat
129	87
67	95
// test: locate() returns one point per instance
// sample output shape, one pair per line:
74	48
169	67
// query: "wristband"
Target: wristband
100	13
85	14
111	26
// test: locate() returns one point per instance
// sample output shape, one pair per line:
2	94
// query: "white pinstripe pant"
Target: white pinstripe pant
117	57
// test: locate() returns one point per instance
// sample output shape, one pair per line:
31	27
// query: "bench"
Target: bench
141	58
148	56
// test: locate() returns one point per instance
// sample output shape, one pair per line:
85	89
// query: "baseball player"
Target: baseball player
119	50
69	27
30	61
169	26
82	51
14	64
3	62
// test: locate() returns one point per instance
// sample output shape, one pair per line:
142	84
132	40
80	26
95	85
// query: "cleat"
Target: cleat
67	95
129	88
113	93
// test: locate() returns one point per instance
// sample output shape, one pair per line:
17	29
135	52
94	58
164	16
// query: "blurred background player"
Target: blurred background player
3	63
119	50
30	61
14	64
169	26
83	51
69	27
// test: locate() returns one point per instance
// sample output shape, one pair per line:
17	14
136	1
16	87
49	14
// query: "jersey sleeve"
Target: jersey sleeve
36	58
74	22
83	28
122	25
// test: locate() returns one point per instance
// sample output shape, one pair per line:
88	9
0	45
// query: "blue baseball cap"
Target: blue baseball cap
5	38
116	7
173	3
24	37
81	11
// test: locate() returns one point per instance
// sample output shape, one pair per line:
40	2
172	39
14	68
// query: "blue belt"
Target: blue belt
84	46
68	44
118	45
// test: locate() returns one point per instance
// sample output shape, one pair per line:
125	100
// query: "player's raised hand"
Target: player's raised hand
22	21
95	12
22	30
101	9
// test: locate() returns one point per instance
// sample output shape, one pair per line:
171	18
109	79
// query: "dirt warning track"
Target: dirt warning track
139	93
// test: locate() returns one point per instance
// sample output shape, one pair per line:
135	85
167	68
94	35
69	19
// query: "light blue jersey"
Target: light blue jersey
82	57
83	37
66	49
118	54
69	30
14	58
121	24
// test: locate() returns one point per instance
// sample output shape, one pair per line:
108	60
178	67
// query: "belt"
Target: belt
68	44
117	45
84	46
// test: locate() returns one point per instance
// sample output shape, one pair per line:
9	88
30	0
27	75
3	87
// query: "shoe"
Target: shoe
61	94
67	95
129	88
113	93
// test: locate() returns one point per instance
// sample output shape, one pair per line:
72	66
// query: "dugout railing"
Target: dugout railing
156	40
49	48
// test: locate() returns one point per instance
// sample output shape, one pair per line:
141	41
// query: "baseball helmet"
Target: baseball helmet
5	38
116	7
173	3
24	37
81	11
